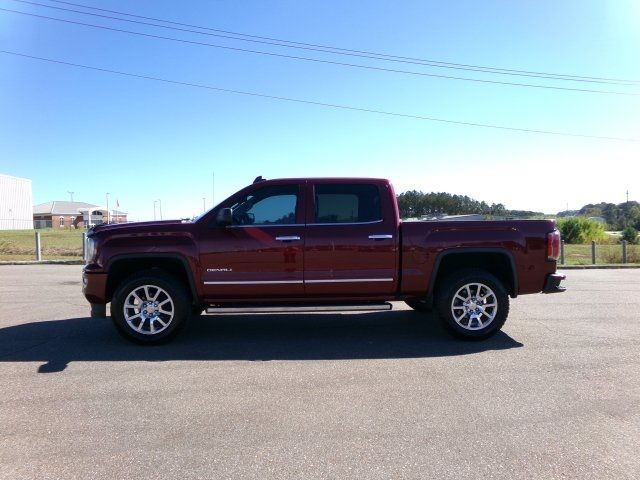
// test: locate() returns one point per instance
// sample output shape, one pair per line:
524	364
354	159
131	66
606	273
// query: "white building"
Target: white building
16	203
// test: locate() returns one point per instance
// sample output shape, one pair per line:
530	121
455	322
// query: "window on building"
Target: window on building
62	221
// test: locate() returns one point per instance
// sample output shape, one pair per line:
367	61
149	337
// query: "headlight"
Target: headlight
91	250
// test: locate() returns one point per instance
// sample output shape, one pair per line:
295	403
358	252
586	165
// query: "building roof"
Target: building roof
15	178
59	207
62	207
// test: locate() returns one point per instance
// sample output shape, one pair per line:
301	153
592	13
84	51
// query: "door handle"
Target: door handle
288	238
380	237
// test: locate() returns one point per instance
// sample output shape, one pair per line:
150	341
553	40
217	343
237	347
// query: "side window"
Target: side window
273	205
347	203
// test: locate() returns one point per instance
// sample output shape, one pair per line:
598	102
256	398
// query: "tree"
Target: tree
581	230
630	234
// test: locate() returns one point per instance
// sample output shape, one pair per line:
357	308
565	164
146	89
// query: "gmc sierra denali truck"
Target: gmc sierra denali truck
315	245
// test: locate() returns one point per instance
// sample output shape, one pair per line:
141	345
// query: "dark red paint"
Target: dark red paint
315	267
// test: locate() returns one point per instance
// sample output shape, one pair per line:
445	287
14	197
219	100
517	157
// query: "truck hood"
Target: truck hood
140	227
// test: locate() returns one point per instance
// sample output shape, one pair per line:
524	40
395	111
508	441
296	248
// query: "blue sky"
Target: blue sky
89	132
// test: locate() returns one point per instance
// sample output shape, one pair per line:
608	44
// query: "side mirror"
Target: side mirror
225	217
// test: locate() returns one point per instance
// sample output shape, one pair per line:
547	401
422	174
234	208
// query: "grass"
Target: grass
56	244
605	254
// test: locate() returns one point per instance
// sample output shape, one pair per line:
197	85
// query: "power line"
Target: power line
321	104
334	50
316	60
434	63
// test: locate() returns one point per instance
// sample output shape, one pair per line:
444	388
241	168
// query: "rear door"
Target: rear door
261	254
351	244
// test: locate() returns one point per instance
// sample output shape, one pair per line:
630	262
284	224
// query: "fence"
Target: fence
62	244
594	254
50	244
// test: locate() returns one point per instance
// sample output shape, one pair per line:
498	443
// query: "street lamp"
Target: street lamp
107	208
160	207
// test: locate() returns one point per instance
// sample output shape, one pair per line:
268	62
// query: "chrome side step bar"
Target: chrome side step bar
366	307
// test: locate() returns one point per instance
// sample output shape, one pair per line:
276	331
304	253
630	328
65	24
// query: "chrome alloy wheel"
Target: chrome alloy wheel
474	306
148	309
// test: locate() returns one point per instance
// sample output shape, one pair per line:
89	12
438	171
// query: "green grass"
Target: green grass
57	244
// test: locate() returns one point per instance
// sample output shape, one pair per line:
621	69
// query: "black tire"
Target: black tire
98	310
419	305
474	320
150	325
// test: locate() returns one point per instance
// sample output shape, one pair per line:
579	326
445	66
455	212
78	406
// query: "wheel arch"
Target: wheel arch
497	261
122	266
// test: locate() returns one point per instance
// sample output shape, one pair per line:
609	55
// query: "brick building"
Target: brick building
62	214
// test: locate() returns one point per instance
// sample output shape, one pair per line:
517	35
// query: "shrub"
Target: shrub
630	234
581	230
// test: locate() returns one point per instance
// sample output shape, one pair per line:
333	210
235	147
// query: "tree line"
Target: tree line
617	217
415	204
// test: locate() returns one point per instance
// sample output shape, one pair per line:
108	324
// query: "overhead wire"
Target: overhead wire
324	61
369	54
318	103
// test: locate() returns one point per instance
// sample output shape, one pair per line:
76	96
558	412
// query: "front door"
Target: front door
261	254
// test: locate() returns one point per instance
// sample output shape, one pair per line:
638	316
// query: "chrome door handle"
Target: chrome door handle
380	237
288	238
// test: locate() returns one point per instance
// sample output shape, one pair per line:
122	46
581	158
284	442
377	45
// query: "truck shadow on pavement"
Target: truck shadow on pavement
399	334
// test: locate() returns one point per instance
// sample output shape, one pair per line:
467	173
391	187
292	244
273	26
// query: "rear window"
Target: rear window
347	203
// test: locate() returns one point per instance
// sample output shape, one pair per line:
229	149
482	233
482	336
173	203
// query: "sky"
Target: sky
140	141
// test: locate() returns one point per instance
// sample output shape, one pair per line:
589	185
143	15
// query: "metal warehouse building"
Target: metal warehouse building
16	203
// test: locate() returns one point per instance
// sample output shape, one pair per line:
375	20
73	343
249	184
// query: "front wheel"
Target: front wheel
473	304
150	307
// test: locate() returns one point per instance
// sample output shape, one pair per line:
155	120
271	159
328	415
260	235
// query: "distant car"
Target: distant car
315	245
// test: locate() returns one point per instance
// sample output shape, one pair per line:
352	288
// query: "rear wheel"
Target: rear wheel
150	307
473	304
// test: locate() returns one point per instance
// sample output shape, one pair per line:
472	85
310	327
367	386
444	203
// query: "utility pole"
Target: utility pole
204	205
71	194
160	208
627	206
213	187
154	209
107	208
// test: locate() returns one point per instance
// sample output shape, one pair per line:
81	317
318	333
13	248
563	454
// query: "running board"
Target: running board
367	307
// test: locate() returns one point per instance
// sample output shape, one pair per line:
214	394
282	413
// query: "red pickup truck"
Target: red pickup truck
315	245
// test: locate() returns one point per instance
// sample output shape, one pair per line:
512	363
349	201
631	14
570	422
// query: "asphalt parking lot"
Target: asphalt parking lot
362	395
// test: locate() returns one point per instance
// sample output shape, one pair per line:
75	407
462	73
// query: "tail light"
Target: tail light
553	245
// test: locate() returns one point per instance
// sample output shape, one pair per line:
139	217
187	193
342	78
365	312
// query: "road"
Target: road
363	395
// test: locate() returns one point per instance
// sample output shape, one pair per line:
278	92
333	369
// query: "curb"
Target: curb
599	267
42	262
